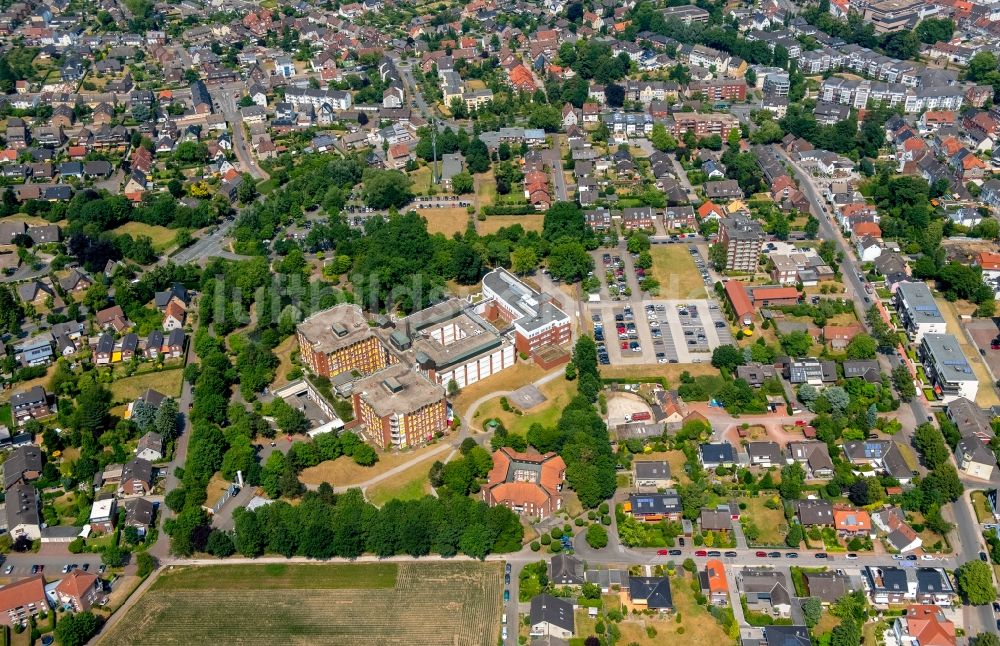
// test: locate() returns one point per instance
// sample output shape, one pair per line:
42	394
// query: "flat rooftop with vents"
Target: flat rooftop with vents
335	328
948	368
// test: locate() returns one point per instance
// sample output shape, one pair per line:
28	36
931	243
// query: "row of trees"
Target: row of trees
325	525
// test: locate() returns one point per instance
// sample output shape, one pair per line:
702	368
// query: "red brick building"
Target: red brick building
526	483
400	407
536	320
340	340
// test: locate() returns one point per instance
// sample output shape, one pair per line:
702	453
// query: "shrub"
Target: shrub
535	546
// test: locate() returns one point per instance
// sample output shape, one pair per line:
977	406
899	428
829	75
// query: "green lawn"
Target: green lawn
161	237
982	507
167	382
5	416
770	522
280	576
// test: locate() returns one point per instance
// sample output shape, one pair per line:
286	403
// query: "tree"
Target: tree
462	183
985	639
796	344
477	157
929	441
76	629
903	382
935	30
661	139
385	189
569	261
220	544
846	633
728	357
838	398
145	564
793	476
597	536
812	608
794	536
92	407
862	346
523	260
975	582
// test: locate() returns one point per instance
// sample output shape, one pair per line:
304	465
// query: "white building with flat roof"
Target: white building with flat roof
918	312
948	368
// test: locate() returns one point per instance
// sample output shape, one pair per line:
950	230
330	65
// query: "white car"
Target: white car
927	557
505	633
898	557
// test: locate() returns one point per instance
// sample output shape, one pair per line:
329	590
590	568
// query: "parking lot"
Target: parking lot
658	331
632	327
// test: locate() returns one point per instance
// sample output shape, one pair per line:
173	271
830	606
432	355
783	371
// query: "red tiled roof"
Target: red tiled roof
737	294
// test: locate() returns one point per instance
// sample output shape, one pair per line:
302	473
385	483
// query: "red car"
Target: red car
662	552
624	345
701	553
761	554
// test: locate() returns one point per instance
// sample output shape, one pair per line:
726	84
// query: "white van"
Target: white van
504	618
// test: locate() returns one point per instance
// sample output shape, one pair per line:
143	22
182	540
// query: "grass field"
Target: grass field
674	267
985	397
697	626
669	371
770	522
162	237
447	221
676	460
411	484
486	189
981	506
167	382
344	472
558	393
446	604
521	373
27	385
421	180
494	223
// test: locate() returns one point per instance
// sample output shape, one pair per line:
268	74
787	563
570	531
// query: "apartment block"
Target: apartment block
948	368
400	407
743	239
918	312
340	340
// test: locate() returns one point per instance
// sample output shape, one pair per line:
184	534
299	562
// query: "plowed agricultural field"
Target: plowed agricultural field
431	603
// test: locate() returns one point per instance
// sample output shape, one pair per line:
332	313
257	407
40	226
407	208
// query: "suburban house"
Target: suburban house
881	455
975	458
828	586
30	404
714	583
814	456
893	585
79	590
650	593
766	590
852	522
139	513
22	511
715	520
924	625
815	513
173	316
150	447
654	507
719	454
779	635
114	318
651	473
23	465
103	514
899	534
765	454
137	478
566	569
551	617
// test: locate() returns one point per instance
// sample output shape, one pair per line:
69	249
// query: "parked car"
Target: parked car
675	552
662	552
680	541
761	554
730	555
8	569
714	553
852	556
774	555
701	553
792	555
506	595
822	555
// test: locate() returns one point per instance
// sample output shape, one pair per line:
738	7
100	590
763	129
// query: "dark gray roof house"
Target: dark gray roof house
786	636
717	454
865	369
552	610
654	591
827	586
23	464
815	512
764	453
566	569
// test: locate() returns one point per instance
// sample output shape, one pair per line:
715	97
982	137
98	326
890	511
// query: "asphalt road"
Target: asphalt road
223	96
207	246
